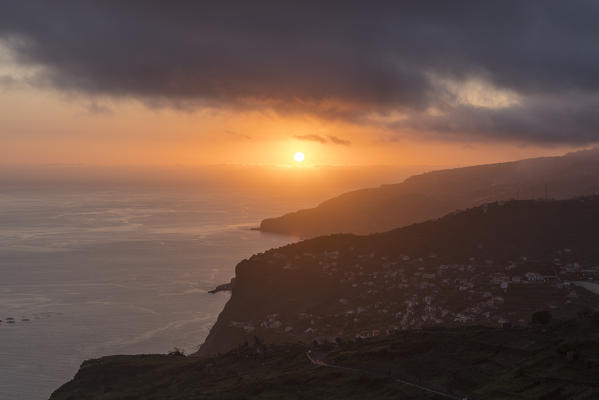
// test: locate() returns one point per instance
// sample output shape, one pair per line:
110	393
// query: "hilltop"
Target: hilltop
433	194
490	265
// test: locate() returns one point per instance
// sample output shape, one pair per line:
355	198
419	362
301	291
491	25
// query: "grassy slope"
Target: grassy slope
486	363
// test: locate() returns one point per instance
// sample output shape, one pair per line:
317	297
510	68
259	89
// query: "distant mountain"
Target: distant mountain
433	194
491	265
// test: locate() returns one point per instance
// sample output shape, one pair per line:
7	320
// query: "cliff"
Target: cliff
436	193
491	265
444	305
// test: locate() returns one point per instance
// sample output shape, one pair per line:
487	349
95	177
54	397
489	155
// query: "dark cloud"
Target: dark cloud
97	108
542	121
344	60
8	82
323	140
311	138
336	140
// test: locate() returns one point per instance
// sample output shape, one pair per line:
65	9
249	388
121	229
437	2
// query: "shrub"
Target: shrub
177	352
541	317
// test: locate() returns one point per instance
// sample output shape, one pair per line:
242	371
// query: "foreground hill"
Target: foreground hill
434	194
556	361
491	265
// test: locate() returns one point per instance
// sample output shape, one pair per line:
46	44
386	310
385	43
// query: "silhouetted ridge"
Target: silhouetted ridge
436	193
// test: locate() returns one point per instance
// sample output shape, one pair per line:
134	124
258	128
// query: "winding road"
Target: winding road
590	286
321	363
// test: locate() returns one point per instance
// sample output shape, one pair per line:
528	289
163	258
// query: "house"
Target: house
533	276
332	254
461	318
365	334
590	273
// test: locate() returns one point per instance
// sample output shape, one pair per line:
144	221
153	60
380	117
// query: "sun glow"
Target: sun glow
299	156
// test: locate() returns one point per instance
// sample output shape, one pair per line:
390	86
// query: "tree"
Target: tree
177	352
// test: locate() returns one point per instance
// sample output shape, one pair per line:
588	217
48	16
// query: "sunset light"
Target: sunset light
319	200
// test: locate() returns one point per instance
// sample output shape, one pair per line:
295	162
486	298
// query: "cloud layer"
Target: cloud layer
323	140
513	70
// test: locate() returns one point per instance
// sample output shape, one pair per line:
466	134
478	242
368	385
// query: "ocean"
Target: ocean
90	272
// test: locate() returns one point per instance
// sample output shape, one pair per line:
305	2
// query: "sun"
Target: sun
299	156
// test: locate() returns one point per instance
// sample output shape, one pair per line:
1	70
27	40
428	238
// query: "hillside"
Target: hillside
436	193
557	361
440	309
491	265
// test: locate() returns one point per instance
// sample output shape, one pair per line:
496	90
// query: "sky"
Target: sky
346	83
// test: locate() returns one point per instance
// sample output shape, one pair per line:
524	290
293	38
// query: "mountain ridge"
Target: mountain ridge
433	194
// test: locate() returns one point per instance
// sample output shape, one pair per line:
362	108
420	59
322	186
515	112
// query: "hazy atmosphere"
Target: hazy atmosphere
291	200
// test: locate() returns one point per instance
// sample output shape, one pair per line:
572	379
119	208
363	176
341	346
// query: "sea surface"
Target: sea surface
92	272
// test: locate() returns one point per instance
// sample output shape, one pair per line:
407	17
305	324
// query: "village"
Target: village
379	295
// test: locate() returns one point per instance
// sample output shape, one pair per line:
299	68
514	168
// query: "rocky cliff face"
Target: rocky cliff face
433	194
492	265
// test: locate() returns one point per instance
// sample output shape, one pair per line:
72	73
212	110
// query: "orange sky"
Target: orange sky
45	126
195	84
